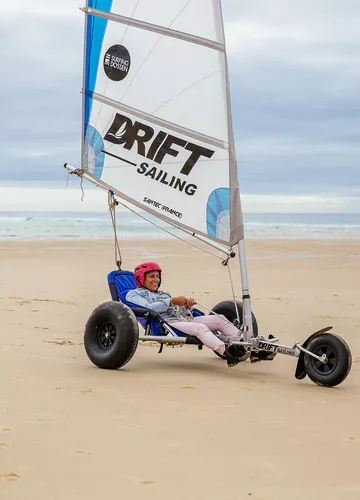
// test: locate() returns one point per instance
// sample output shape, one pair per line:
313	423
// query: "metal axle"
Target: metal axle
323	359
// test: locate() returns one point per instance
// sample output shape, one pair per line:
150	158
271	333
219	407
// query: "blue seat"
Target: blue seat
120	282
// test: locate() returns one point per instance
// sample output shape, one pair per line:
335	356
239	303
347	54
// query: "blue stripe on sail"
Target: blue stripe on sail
104	5
94	156
218	203
96	27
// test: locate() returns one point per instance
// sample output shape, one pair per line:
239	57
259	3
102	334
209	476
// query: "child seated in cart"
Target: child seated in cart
176	312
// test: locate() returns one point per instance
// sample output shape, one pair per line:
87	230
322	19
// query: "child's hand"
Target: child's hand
179	301
190	302
183	301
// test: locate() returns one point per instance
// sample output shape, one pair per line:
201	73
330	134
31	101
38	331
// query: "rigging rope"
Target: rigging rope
162	228
113	203
112	208
213	312
225	263
233	294
82	189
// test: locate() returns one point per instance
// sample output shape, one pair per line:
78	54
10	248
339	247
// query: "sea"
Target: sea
80	226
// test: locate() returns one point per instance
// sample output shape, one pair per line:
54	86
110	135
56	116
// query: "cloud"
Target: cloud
302	204
295	79
58	199
41	102
295	72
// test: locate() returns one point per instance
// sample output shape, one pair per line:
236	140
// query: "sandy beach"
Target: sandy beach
181	424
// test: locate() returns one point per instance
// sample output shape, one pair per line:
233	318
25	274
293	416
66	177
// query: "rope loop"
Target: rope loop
234	297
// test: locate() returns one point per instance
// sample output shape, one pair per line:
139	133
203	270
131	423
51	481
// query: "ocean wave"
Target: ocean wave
99	226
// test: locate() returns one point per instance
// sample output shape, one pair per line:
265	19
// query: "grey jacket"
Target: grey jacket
159	302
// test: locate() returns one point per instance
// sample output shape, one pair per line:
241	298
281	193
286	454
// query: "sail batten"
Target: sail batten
135	23
158	121
160	106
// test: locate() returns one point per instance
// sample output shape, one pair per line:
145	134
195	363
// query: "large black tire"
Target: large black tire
338	365
227	308
111	335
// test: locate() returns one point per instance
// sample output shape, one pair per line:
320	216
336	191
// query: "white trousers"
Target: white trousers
203	327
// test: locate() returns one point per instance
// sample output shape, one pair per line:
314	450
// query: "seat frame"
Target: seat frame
156	328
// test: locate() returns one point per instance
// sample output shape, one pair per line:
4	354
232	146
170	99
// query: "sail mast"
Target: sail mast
236	222
83	91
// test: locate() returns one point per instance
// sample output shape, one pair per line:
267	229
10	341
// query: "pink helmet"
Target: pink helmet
142	269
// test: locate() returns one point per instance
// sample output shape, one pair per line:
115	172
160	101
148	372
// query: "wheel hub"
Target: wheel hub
327	367
106	336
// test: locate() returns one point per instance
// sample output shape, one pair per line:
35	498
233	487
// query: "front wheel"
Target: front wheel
227	308
338	364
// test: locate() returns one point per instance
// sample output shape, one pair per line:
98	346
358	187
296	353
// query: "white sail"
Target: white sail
157	121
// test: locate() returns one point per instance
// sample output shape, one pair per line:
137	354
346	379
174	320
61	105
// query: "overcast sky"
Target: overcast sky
295	78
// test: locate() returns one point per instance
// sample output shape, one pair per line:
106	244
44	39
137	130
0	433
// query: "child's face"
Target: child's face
152	280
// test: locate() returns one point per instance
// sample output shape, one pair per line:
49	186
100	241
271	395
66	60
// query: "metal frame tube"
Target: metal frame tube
293	351
211	44
163	340
247	316
323	359
229	253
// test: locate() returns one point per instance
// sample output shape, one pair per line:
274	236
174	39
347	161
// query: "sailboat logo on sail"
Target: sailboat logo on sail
156	146
152	146
117	63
